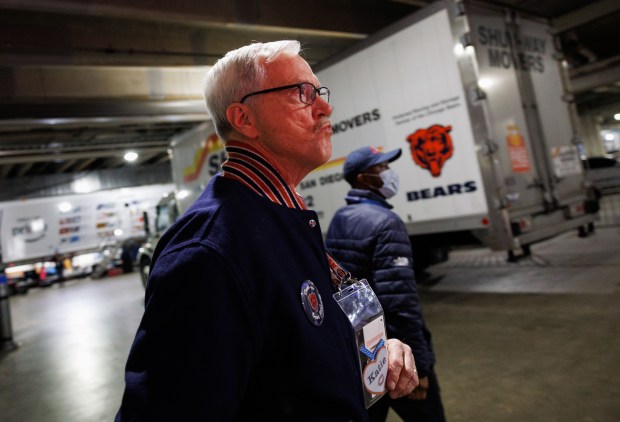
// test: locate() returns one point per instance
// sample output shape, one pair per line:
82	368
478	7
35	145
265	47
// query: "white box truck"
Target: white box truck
90	225
473	96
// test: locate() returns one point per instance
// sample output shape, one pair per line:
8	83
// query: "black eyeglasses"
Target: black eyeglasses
307	92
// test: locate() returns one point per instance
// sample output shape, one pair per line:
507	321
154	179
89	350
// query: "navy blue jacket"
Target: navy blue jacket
224	336
371	241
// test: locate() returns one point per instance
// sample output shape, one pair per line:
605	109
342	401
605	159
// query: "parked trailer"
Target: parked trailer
473	95
90	225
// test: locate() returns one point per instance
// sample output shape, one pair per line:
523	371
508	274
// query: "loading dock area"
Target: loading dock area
535	340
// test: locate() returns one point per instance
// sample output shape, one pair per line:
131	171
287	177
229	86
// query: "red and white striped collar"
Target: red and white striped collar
246	165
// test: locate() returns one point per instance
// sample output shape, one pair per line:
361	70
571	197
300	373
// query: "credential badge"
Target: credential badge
312	302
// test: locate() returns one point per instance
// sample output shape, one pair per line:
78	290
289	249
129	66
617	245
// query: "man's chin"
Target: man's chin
326	152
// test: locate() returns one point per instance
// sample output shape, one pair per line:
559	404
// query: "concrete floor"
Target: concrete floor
537	340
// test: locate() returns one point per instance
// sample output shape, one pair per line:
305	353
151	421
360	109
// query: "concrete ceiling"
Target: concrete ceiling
83	81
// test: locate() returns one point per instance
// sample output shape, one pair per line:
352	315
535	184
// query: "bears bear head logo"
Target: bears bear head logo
431	147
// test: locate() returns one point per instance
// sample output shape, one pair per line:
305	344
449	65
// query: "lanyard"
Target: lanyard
339	275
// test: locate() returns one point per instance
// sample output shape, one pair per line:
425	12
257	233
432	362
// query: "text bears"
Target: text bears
452	189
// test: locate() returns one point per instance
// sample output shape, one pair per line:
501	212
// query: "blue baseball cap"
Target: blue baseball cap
362	158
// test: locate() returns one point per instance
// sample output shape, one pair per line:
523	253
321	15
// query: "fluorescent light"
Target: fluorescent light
82	186
131	156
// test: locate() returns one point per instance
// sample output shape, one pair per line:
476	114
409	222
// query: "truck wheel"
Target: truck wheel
527	251
20	288
96	272
430	255
512	257
145	269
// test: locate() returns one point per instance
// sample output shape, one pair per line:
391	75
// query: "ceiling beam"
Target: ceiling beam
5	169
161	158
595	75
418	3
107	119
23	168
102	83
93	148
593	11
73	155
110	113
65	166
82	164
147	44
339	16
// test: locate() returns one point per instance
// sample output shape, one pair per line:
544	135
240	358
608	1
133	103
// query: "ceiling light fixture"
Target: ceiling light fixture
131	156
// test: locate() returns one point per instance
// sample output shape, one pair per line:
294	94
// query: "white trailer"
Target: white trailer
32	230
196	156
473	96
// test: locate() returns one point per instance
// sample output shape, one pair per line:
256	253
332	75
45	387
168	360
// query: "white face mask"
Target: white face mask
390	183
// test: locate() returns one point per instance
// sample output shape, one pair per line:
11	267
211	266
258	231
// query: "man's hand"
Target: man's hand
419	393
402	376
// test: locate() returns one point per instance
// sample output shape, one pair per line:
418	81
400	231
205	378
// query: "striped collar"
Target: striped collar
246	165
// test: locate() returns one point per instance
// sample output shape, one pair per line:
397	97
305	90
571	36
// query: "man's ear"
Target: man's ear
242	119
365	181
360	181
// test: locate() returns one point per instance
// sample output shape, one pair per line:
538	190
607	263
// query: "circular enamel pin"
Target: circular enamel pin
312	303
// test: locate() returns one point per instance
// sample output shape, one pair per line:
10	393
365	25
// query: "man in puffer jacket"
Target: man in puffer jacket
371	241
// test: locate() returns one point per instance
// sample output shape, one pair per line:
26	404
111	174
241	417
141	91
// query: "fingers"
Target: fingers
395	363
419	393
402	376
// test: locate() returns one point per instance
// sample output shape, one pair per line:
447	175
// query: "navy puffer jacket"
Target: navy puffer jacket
371	241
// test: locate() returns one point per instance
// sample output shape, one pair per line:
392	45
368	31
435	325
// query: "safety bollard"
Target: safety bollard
6	327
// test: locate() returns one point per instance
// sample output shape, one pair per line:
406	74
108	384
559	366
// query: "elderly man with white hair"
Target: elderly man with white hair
240	323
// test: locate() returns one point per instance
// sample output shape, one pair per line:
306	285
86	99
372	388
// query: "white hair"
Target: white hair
238	73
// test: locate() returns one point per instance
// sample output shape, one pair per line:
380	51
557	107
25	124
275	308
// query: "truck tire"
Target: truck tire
20	288
96	272
429	255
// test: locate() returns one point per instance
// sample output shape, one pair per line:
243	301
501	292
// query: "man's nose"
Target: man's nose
322	107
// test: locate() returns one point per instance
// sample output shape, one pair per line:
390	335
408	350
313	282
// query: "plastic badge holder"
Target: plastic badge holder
361	306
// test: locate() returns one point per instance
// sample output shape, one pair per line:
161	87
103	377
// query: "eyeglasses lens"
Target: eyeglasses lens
307	93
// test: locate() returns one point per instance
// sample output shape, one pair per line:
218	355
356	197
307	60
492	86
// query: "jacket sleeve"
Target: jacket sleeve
394	285
185	362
